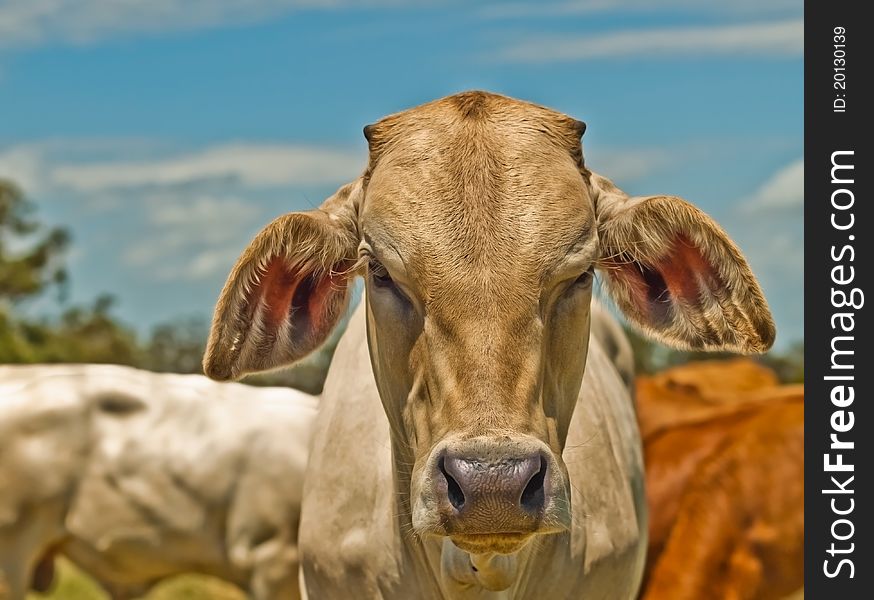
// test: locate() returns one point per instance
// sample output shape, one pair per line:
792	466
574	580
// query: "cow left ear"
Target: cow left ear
288	290
676	274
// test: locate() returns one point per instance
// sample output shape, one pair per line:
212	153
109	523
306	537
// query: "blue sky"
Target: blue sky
165	133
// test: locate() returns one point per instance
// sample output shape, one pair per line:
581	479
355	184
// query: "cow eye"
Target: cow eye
583	281
381	280
379	275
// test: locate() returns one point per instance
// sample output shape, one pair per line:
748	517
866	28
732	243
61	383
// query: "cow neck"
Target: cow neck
419	554
458	573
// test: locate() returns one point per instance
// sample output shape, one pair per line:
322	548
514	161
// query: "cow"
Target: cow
701	390
470	441
137	476
725	488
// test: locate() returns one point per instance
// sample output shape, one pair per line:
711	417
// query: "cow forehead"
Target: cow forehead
493	115
493	191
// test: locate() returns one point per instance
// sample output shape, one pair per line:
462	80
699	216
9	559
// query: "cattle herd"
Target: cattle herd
473	439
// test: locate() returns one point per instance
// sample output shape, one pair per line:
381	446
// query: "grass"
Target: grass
73	584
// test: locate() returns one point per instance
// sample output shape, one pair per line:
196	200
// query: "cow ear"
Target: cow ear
287	291
676	274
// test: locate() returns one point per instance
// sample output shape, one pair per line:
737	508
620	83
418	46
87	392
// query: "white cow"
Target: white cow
137	476
471	442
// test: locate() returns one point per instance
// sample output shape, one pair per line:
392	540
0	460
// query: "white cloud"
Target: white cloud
783	191
189	236
196	218
23	165
248	164
38	167
35	22
511	10
771	39
31	164
211	212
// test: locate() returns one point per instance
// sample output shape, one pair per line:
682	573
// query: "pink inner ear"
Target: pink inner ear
677	275
290	292
683	268
320	296
277	287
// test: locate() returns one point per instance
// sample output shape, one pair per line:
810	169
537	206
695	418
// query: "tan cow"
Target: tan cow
138	476
462	448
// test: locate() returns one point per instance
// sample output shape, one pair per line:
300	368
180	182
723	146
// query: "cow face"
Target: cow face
477	228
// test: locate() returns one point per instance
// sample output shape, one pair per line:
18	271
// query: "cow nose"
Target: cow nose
511	489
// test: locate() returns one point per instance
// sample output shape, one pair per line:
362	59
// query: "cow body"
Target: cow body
137	476
725	482
356	537
742	484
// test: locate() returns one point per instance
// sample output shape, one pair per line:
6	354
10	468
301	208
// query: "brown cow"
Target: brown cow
725	487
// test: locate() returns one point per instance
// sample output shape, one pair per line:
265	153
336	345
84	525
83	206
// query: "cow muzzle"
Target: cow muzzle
492	495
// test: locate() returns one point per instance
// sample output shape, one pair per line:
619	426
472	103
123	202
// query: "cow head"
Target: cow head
478	229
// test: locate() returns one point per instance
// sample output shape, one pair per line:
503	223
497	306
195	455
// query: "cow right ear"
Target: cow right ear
287	291
677	275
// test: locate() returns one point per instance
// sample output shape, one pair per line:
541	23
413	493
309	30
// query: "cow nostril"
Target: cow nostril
453	490
533	498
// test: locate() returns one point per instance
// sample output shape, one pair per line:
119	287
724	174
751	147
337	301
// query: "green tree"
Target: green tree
81	334
31	262
30	254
